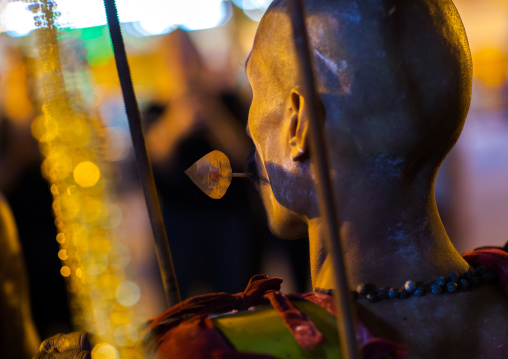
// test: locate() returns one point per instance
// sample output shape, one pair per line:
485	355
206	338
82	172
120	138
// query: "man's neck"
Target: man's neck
386	243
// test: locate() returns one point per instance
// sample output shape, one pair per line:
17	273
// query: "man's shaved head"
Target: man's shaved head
394	75
394	78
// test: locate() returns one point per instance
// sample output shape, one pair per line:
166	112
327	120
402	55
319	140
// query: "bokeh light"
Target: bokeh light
128	293
490	66
152	17
15	19
120	257
73	143
65	271
86	174
126	334
253	9
252	4
62	254
96	262
60	238
79	273
188	15
115	217
105	351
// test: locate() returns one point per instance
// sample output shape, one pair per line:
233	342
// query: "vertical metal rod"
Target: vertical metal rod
145	173
327	207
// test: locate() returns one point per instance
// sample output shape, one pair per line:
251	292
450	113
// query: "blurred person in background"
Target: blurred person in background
217	243
203	114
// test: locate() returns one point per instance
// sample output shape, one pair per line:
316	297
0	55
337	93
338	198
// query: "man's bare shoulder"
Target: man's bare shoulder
491	321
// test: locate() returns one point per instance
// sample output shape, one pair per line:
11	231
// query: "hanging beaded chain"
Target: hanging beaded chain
451	284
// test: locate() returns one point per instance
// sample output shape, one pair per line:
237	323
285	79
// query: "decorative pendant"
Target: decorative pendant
212	174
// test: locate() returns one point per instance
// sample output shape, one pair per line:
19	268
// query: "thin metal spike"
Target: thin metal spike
162	249
241	175
327	207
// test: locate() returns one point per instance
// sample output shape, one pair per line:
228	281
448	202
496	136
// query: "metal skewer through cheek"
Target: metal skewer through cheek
327	207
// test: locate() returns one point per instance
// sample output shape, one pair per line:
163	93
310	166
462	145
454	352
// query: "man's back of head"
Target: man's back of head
394	76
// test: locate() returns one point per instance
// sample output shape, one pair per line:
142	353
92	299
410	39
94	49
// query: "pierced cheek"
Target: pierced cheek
261	164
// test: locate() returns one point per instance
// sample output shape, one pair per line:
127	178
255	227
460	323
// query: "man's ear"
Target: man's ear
298	127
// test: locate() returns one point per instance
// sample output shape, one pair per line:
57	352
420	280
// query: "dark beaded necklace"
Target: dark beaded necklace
451	284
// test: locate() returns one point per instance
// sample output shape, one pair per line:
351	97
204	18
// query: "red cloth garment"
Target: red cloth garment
495	259
185	331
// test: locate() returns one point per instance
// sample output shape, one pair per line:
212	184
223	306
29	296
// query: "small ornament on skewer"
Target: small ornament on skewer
212	174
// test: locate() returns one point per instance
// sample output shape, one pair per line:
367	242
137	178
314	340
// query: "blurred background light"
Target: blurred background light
77	15
126	334
254	9
128	293
65	271
86	174
62	254
15	19
105	351
252	4
96	262
254	14
153	17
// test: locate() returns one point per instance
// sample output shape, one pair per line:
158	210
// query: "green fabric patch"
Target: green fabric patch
262	331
